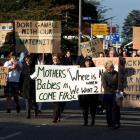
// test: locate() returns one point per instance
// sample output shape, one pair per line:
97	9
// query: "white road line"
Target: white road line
10	136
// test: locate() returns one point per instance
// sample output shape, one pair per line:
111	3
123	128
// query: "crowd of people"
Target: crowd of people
19	82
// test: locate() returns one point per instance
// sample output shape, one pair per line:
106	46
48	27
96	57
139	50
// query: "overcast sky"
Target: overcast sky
120	9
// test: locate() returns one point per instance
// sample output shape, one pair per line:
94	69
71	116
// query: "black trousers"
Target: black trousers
57	110
29	103
88	103
112	113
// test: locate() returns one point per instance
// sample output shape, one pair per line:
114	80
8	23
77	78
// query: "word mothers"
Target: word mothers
58	73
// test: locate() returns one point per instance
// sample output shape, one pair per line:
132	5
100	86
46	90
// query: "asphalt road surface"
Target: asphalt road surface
15	126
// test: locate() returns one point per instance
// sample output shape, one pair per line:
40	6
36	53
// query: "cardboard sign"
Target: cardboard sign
6	32
92	48
86	49
87	80
136	37
96	47
130	80
38	36
3	75
130	73
53	84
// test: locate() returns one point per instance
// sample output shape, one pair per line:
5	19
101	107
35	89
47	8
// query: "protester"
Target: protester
120	52
88	102
40	61
125	53
12	87
67	60
28	86
110	85
112	53
80	60
21	57
101	54
57	106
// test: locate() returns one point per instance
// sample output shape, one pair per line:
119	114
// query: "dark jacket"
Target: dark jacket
110	82
67	61
27	84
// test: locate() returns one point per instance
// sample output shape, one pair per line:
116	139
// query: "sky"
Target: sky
119	9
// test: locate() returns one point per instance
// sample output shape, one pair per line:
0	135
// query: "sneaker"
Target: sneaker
116	126
54	121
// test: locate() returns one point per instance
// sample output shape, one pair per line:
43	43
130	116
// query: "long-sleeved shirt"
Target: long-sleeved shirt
110	82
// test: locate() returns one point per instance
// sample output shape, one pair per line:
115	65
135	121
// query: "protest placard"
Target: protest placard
136	38
38	36
53	84
129	71
87	80
86	49
96	46
92	48
6	33
3	75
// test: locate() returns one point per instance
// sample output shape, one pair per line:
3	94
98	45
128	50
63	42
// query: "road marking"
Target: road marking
10	136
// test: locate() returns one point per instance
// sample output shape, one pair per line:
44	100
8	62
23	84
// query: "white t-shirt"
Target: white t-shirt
14	75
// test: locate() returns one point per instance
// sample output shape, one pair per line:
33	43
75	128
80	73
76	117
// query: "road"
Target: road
15	126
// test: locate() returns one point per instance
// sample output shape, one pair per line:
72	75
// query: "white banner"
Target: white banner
88	80
64	83
53	84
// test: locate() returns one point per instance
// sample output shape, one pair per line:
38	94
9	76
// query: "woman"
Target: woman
88	102
28	85
57	106
40	61
12	87
67	60
110	85
112	53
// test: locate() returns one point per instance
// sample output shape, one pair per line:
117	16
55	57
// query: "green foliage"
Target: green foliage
133	19
65	10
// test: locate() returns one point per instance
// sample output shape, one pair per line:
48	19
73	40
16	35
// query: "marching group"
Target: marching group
20	83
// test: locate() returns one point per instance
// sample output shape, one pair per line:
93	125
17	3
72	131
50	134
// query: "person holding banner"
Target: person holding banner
40	61
58	107
110	84
88	102
28	85
12	87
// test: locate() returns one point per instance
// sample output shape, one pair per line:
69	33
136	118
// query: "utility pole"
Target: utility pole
80	26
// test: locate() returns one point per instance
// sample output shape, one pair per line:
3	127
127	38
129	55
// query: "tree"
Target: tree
65	10
133	19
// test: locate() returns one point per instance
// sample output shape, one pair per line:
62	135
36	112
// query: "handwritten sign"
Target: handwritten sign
130	72
38	36
3	75
92	48
53	84
86	49
6	32
87	80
